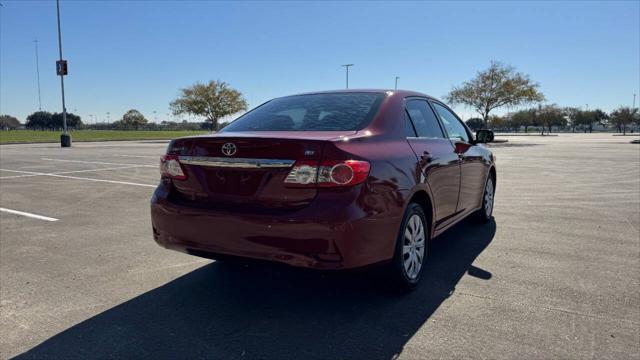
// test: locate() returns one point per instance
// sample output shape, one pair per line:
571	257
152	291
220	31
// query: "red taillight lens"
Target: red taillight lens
342	173
170	167
327	173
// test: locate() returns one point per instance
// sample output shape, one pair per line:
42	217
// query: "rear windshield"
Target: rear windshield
315	112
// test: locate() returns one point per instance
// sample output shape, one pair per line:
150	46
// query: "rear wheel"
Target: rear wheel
486	211
411	249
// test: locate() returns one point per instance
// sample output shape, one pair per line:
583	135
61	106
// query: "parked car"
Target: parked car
327	180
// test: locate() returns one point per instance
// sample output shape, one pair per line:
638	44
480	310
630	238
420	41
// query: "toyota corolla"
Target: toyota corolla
328	180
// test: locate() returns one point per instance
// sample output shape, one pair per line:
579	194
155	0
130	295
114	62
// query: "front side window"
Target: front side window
424	120
313	112
455	129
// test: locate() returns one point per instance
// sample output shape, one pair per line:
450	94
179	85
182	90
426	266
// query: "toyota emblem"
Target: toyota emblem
229	149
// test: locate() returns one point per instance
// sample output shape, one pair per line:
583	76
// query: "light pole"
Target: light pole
633	107
1	6
108	118
65	138
38	75
347	66
396	87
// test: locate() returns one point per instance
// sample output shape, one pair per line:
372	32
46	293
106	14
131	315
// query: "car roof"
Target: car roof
402	93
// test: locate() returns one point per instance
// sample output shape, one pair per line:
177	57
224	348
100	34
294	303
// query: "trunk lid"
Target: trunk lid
246	170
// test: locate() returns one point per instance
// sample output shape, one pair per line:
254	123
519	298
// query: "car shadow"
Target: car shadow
273	312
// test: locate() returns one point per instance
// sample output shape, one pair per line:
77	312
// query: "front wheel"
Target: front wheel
485	212
411	249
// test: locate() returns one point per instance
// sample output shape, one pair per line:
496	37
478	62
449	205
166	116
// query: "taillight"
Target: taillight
327	173
170	167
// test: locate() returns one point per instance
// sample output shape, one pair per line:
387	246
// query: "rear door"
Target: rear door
436	156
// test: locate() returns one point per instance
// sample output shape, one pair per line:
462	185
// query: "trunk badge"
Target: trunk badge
229	149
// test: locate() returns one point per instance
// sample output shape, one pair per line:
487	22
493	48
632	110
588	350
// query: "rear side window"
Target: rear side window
409	131
315	112
424	120
455	129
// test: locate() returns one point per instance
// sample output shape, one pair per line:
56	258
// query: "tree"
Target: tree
498	122
524	118
572	113
499	85
583	120
549	116
624	116
475	124
8	122
39	120
73	121
600	117
586	119
213	100
132	119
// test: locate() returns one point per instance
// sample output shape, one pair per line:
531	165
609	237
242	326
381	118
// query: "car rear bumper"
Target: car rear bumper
336	231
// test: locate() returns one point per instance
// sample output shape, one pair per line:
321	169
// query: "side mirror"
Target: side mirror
484	136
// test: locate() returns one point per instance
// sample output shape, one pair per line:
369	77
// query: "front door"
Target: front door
473	168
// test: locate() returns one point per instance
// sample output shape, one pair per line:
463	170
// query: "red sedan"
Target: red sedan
328	180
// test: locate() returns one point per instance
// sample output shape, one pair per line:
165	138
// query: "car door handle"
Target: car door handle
426	156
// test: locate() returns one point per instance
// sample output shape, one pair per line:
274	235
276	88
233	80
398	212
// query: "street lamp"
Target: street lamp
61	65
347	66
396	87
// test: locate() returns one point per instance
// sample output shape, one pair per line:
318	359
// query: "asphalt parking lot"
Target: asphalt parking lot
556	275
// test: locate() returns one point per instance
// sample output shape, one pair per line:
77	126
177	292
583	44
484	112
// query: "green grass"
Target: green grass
35	136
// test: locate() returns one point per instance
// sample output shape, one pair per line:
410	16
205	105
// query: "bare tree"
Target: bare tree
499	85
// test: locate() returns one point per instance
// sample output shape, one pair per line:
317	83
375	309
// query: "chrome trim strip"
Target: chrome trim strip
235	162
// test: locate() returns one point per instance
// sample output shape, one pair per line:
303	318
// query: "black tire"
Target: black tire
399	276
484	214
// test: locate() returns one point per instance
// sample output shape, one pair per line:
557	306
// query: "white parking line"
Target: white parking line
79	178
63	172
17	176
138	156
35	216
99	162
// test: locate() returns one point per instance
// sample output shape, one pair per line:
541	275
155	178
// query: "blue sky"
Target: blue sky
138	54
